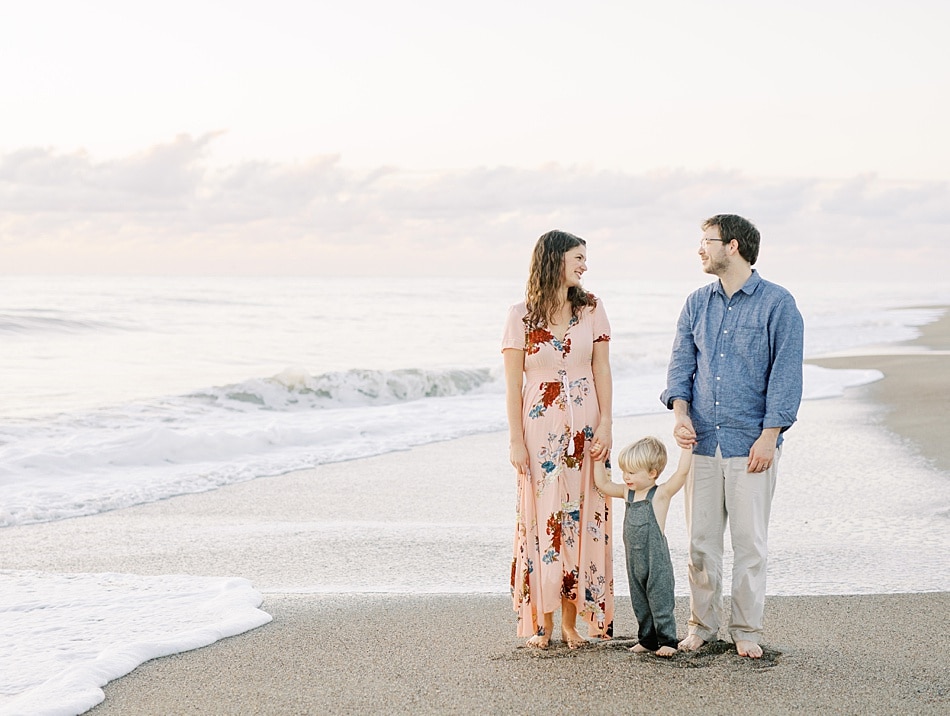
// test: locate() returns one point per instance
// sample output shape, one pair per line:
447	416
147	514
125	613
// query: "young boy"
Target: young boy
649	569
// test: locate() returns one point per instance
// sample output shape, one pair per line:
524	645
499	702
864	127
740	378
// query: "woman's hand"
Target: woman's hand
601	444
518	455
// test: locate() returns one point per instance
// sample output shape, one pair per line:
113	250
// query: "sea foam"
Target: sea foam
73	633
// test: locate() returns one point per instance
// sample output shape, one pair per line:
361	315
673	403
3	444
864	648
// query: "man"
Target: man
734	384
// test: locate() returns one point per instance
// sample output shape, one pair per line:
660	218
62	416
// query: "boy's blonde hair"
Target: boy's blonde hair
647	453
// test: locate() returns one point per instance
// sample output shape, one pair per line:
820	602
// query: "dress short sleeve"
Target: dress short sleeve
514	328
601	324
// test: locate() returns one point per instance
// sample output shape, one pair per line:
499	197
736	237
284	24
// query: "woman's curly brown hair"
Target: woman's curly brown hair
546	277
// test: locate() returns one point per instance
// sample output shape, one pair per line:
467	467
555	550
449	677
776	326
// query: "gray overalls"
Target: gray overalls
650	574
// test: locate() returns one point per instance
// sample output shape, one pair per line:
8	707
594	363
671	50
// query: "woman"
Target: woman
558	387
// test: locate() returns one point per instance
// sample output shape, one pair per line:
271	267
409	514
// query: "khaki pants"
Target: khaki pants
720	489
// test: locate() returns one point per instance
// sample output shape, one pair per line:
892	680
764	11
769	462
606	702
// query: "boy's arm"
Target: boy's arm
678	478
602	480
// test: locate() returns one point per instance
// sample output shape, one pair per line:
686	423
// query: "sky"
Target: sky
428	138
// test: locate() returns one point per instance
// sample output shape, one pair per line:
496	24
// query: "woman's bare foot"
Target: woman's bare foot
749	648
691	643
572	638
639	649
665	651
539	640
542	639
569	625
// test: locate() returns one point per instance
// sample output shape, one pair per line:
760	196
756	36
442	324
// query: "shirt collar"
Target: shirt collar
749	287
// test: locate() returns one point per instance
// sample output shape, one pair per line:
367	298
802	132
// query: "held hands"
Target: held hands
683	432
601	444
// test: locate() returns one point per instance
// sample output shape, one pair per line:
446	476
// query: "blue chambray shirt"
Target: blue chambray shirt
738	363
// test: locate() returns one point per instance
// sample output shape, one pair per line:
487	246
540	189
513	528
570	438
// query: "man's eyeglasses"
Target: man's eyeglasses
704	243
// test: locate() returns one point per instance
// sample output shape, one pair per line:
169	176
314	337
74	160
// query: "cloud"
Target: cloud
867	196
164	177
170	208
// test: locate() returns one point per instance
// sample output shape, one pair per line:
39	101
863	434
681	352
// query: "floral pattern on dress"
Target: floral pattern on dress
598	594
569	585
561	547
551	393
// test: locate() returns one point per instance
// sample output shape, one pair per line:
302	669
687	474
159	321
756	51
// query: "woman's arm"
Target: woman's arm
514	403
604	387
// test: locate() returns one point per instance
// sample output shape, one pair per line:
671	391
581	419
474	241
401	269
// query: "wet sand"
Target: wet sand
456	654
915	390
373	653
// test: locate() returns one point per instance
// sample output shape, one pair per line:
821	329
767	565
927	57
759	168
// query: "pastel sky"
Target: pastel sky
371	137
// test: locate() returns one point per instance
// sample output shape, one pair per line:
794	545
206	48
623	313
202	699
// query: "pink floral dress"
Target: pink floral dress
562	534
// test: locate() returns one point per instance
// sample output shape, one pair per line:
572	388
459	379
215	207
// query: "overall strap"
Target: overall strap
650	493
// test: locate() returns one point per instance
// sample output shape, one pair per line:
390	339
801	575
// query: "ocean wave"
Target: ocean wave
296	389
83	463
48	323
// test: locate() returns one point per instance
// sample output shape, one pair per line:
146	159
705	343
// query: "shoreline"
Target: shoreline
913	391
362	652
457	654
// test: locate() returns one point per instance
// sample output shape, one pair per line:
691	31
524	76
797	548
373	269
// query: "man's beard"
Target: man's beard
716	266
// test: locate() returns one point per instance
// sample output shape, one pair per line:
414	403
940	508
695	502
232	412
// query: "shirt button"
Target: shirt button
726	331
717	402
722	355
718	378
730	308
717	427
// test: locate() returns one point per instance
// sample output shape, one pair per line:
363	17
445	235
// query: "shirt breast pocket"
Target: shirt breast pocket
752	343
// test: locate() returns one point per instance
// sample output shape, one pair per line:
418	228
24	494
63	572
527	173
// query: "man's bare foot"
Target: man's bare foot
639	649
539	640
749	648
665	651
691	643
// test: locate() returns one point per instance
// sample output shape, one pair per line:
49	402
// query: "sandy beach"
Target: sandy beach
914	389
457	653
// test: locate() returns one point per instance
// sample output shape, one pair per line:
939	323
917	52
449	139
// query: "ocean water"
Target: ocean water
67	635
119	392
122	391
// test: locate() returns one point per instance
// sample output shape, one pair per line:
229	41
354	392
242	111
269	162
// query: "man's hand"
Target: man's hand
762	454
683	432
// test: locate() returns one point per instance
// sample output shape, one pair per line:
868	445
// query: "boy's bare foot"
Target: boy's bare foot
749	648
639	649
539	641
691	643
665	651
